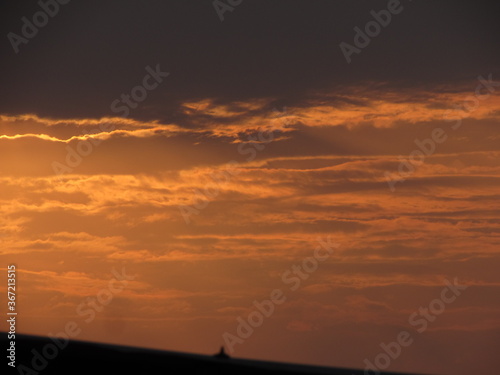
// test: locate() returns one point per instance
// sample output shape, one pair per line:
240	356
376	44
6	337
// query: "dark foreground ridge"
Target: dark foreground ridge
36	355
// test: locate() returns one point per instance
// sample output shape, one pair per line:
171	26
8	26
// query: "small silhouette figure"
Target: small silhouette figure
221	354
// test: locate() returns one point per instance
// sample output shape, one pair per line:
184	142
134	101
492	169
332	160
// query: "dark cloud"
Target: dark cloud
91	52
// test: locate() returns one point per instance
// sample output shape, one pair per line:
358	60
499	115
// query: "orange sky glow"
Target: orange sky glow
119	205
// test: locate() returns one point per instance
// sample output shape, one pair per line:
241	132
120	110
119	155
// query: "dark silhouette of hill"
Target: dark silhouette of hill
80	357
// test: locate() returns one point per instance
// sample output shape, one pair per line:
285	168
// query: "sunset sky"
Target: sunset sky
254	137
